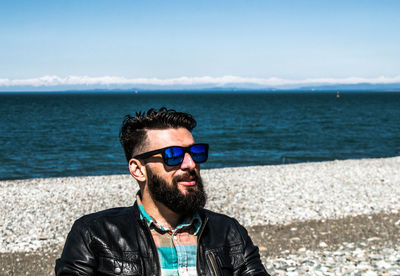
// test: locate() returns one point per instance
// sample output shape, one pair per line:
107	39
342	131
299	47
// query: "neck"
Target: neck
159	212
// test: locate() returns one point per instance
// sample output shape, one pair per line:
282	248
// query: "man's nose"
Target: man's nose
188	162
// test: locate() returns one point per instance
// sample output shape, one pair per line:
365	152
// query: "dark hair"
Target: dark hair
133	129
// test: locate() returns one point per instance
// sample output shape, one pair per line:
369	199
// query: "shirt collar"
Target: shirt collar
194	221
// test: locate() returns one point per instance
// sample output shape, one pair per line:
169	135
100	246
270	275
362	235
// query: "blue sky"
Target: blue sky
159	41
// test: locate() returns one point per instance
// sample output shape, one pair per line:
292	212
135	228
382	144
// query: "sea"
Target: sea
58	134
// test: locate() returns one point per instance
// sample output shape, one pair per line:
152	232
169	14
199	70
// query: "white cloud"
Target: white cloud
48	81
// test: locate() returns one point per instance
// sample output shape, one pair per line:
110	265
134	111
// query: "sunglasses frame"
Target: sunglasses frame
148	154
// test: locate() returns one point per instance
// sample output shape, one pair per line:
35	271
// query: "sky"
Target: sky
174	42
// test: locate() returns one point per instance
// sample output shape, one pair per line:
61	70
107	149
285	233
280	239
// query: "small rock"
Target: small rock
322	244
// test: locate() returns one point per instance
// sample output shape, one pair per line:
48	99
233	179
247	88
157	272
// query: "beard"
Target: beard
170	195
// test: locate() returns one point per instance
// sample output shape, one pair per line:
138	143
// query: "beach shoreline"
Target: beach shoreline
37	213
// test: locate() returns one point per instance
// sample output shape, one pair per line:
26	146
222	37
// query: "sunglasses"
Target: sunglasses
174	155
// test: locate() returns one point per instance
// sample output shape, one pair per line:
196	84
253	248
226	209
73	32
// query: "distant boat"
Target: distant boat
337	94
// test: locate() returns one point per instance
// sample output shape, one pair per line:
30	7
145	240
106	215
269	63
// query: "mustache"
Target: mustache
185	176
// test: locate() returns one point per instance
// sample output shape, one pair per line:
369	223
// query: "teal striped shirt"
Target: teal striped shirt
177	248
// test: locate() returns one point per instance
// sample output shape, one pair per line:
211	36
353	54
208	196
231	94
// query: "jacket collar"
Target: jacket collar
199	219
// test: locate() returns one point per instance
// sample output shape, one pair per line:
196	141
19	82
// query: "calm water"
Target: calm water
46	135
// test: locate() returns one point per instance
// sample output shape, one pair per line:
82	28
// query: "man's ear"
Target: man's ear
137	170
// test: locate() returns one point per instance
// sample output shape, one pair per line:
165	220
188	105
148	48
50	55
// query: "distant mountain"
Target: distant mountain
206	88
355	87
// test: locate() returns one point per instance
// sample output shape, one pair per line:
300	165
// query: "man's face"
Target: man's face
180	187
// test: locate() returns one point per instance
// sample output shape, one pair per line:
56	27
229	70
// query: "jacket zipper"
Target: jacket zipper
214	266
198	245
154	248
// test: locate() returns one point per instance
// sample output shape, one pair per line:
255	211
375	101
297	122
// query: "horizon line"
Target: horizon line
104	81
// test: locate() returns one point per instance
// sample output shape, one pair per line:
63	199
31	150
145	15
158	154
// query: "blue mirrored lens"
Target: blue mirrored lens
173	156
198	153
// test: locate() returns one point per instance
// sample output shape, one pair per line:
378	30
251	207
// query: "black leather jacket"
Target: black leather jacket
117	242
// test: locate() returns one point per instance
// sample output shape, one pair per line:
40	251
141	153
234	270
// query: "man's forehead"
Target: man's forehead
160	138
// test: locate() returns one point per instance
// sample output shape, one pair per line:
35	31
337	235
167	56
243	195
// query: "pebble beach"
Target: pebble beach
325	218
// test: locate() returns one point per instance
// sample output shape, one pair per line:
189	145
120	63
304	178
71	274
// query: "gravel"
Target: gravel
347	260
281	194
38	213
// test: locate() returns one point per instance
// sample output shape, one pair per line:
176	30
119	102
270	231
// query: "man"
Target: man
167	231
